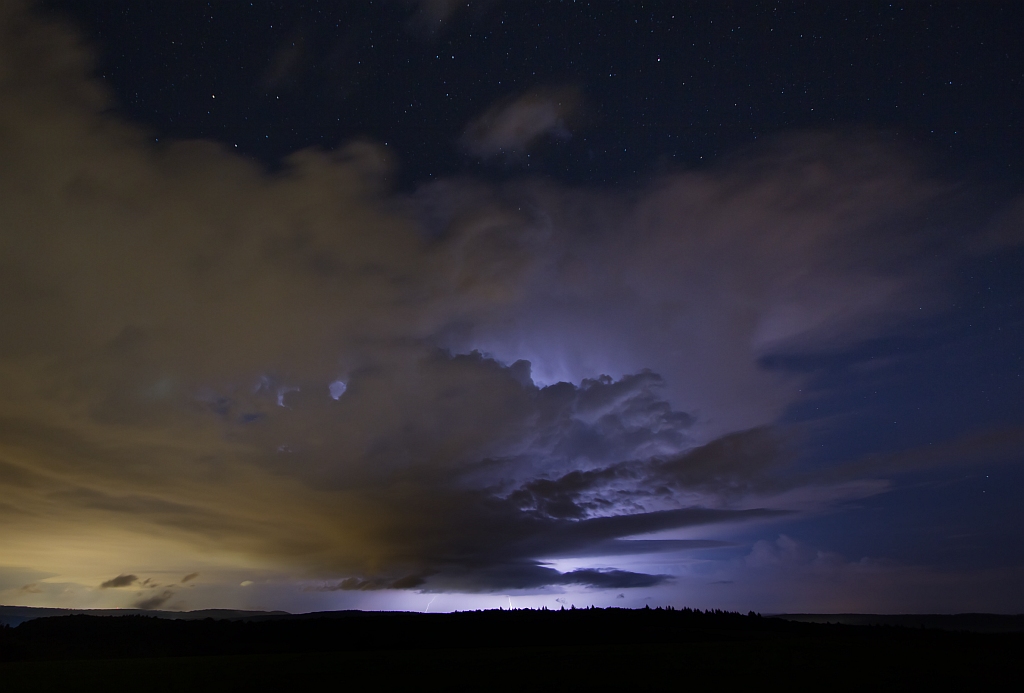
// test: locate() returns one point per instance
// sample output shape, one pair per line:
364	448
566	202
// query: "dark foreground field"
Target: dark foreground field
495	650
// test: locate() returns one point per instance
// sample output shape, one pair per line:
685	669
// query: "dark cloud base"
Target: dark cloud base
120	581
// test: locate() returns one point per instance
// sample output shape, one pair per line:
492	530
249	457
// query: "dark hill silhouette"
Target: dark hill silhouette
16	615
537	648
78	636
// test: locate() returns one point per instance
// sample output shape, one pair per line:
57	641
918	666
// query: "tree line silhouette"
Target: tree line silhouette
85	636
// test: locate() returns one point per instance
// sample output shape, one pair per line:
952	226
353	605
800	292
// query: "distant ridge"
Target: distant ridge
975	623
970	622
16	615
516	649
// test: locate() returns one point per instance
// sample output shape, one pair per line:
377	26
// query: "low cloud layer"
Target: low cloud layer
154	601
208	366
120	581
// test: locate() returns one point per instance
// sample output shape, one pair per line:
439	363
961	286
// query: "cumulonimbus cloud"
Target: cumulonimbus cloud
520	371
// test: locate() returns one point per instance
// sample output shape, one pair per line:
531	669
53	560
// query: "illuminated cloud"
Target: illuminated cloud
804	244
302	375
20	578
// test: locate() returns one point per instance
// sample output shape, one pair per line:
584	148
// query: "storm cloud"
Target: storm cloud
306	373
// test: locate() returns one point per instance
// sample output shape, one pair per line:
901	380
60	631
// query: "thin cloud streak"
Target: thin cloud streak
120	581
511	128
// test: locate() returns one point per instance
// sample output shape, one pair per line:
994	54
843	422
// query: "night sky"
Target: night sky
443	305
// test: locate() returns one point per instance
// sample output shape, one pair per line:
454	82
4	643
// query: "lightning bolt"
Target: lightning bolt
429	603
